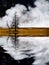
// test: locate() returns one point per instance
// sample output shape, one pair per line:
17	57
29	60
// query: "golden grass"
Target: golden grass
24	32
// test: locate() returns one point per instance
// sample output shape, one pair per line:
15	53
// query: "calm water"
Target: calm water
26	50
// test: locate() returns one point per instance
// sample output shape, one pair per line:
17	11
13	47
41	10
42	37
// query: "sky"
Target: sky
6	4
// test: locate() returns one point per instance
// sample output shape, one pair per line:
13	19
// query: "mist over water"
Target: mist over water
27	47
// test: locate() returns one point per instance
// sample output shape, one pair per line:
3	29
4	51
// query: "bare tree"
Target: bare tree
15	26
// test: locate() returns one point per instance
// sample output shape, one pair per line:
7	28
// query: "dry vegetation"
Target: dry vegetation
24	32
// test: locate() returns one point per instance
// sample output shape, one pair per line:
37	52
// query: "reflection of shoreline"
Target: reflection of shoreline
24	32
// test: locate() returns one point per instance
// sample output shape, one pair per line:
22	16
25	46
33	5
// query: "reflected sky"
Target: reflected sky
27	47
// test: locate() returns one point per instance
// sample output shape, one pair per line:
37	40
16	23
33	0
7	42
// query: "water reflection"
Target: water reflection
27	47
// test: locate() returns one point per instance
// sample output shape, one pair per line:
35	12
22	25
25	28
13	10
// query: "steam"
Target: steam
27	47
10	15
35	17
